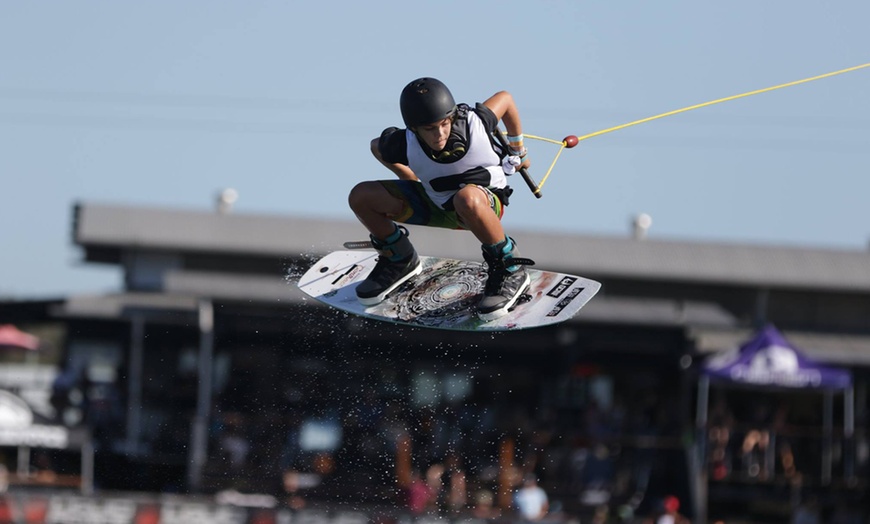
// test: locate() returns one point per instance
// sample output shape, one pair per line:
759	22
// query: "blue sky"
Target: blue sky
163	103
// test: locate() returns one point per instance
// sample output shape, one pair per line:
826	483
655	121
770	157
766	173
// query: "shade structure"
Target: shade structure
12	337
769	360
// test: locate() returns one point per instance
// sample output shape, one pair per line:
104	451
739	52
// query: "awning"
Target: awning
11	336
768	359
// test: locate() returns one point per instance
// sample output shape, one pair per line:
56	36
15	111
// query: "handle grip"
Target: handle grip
533	186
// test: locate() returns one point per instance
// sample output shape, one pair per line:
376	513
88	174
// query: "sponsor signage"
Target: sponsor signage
562	304
561	287
19	428
71	509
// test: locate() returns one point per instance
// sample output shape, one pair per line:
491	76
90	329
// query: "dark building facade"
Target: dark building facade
210	371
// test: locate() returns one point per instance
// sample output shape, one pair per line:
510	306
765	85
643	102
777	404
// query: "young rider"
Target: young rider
451	176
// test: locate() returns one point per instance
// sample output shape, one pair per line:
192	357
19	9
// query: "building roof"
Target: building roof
109	233
105	231
832	348
116	306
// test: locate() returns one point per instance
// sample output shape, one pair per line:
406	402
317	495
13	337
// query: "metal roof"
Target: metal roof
114	227
822	347
117	306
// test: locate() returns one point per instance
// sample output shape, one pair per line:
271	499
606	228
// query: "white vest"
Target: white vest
478	155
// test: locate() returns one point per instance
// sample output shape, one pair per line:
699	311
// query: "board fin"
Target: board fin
358	244
521	261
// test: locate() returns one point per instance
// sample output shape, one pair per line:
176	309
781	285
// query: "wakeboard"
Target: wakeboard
445	294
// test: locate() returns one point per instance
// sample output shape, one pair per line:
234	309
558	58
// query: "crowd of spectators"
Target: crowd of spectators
471	456
612	455
617	459
764	439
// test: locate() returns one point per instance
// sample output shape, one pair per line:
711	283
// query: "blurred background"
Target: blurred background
171	169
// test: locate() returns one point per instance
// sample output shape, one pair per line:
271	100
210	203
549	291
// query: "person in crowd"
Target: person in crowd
531	500
233	441
671	512
484	506
721	428
293	498
457	489
420	495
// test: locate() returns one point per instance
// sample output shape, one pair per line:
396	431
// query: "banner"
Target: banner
38	508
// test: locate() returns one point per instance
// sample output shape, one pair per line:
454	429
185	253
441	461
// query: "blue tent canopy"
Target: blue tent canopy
768	359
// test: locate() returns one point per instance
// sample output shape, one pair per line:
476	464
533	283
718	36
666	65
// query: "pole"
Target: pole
700	481
134	382
199	426
827	444
87	484
849	432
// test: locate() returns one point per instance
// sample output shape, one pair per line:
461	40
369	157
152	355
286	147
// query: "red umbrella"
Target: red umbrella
13	337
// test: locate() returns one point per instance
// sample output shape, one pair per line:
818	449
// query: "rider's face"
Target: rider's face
435	134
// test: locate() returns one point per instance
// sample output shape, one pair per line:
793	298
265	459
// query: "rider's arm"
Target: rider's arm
400	169
505	109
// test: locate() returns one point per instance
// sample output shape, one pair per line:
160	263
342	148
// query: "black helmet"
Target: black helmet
424	101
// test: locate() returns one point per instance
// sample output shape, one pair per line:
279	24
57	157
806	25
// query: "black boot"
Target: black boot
398	262
507	280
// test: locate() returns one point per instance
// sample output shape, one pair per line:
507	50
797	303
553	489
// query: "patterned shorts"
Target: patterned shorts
419	209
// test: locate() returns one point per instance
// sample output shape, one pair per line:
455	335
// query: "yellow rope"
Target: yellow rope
726	99
543	139
563	144
547	174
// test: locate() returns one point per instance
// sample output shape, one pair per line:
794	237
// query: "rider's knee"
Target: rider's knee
469	201
361	194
